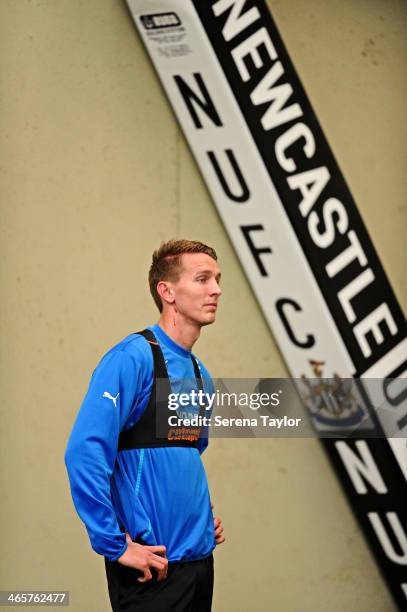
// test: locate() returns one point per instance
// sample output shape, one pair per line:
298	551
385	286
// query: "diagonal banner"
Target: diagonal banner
300	238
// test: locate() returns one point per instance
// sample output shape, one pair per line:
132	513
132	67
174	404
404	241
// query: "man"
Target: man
144	498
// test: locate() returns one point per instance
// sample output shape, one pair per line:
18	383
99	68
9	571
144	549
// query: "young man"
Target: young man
144	497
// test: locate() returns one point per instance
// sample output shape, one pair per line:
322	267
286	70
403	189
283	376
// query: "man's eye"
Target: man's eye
201	279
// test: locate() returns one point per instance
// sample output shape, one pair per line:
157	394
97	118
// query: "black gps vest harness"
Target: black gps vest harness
152	430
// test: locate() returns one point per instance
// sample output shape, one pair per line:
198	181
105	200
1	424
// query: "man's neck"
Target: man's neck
183	333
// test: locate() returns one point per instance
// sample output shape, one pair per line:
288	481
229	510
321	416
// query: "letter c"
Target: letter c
281	309
288	138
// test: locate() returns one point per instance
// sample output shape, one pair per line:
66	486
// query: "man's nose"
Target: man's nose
215	289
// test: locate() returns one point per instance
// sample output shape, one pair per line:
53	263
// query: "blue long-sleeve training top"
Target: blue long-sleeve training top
158	494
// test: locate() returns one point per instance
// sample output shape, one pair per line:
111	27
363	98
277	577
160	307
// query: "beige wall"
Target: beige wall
94	174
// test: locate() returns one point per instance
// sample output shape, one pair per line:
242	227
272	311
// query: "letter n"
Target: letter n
201	99
361	465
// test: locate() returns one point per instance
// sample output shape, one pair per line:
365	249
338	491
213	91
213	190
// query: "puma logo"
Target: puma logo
114	399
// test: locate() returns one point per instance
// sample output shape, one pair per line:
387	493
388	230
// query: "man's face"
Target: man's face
197	291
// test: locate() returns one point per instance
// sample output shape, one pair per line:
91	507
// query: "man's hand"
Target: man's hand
143	557
217	523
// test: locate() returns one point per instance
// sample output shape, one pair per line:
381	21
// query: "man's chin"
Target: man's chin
209	320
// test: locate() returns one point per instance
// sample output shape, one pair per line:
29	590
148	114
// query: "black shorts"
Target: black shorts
187	588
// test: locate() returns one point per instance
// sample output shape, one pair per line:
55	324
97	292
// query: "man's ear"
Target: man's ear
165	292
